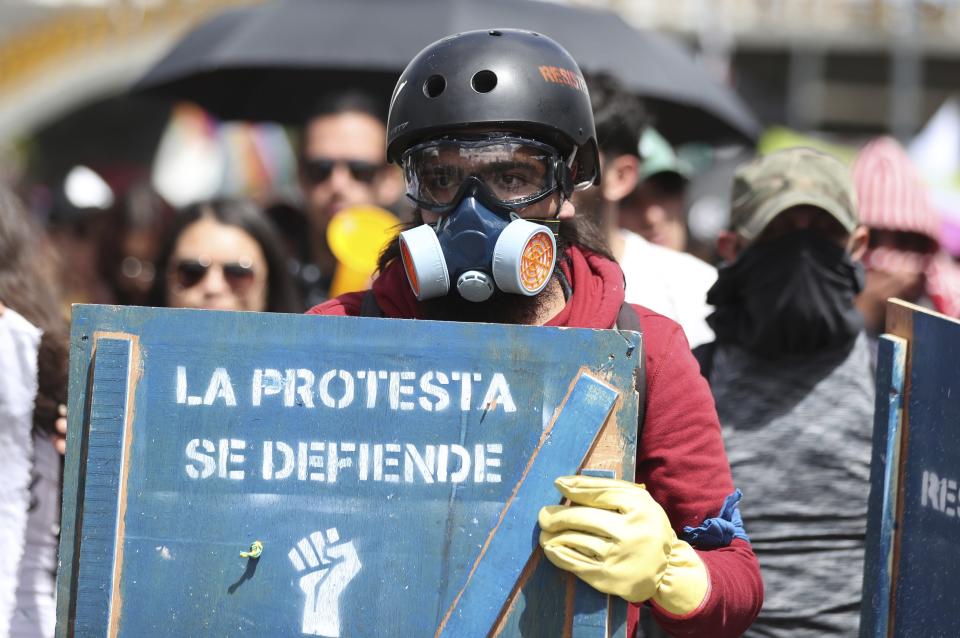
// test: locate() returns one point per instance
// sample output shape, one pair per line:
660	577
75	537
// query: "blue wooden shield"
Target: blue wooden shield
387	473
912	563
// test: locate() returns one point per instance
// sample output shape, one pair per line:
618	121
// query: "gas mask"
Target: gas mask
480	242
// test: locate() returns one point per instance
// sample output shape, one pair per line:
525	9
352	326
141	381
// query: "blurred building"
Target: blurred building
81	151
858	66
56	55
846	66
65	71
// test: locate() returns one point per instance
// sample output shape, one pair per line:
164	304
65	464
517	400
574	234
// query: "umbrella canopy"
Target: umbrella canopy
272	61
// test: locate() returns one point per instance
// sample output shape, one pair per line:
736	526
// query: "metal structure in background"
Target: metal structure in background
906	72
272	61
858	67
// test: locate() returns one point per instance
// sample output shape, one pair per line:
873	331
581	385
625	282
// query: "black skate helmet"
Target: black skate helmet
500	80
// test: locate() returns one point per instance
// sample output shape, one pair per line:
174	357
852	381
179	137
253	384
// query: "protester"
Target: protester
655	209
904	259
342	164
77	236
223	255
790	372
128	250
33	367
672	283
499	150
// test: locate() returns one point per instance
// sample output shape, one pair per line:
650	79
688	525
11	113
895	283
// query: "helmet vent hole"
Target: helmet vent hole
434	86
484	81
494	32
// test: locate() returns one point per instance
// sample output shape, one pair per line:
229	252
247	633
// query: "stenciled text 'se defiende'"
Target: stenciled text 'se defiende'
331	461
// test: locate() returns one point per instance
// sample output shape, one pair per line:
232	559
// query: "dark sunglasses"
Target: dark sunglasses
319	169
190	272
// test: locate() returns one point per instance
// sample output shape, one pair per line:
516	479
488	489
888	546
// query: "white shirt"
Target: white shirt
29	491
672	283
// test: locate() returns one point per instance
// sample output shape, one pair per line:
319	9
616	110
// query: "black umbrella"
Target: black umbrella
271	61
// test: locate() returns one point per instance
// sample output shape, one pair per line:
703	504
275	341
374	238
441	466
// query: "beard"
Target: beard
501	307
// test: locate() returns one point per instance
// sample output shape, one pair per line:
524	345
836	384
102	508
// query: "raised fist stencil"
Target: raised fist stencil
327	566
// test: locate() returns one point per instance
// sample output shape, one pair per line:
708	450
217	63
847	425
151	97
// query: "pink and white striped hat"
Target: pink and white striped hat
891	192
893	196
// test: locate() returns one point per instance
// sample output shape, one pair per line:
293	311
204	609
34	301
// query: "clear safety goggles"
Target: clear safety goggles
512	171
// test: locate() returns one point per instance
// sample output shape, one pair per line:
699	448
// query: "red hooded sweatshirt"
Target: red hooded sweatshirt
680	454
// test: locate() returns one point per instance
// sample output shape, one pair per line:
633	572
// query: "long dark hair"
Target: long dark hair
28	286
247	217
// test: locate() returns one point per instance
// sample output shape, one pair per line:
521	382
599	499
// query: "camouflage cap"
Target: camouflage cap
768	185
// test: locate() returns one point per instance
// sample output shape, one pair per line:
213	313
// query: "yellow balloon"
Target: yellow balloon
356	236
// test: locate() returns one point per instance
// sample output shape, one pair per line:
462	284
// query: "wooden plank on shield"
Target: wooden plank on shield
591	609
884	481
501	561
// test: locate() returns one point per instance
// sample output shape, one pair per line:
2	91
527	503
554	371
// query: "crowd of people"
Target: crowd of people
778	332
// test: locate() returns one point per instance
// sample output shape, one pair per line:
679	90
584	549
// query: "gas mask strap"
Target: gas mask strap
565	183
564	283
552	223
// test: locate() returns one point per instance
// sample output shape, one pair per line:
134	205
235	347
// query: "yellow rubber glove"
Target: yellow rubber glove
619	540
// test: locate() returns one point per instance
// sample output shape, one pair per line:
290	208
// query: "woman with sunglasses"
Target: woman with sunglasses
224	255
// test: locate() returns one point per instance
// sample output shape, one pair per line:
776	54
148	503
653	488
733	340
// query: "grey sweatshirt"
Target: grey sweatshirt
798	436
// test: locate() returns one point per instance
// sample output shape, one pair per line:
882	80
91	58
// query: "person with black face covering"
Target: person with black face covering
790	372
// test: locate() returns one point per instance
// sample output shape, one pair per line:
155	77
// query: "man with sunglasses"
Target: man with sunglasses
494	132
342	164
